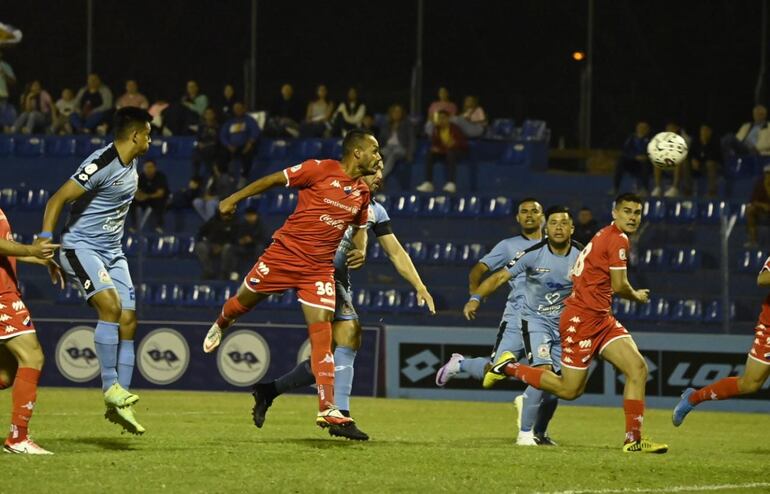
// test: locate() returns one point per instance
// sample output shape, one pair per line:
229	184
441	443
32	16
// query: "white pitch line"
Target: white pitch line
144	414
681	488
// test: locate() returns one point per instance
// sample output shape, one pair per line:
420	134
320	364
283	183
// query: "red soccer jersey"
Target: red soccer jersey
8	279
329	201
764	316
592	287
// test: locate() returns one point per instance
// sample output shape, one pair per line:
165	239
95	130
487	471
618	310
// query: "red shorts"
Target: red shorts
583	335
274	272
760	350
14	317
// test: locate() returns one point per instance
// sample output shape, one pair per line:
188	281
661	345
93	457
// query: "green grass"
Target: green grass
206	442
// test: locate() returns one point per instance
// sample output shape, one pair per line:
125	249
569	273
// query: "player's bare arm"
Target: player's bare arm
474	278
228	205
623	289
67	193
26	253
405	267
356	257
763	280
487	288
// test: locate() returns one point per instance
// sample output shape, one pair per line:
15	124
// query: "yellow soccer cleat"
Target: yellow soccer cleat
490	378
645	446
117	396
125	418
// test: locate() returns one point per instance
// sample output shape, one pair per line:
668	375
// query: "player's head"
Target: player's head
287	91
442	118
132	125
192	88
627	212
149	169
585	215
93	81
239	109
759	113
529	215
559	226
362	148
642	128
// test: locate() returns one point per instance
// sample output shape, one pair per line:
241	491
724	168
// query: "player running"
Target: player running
21	358
101	191
509	342
332	196
587	326
347	328
547	284
754	375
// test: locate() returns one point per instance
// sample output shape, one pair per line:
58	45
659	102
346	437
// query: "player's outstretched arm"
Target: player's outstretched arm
474	278
227	206
67	193
405	267
487	288
36	254
623	289
357	255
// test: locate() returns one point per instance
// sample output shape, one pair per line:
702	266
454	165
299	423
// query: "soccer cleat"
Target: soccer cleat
124	417
213	338
645	446
495	373
262	402
526	438
682	408
117	396
25	447
348	431
544	440
449	370
332	416
518	402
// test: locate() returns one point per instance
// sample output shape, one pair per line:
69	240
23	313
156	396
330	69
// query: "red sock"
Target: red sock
231	311
634	410
526	374
720	390
322	362
24	395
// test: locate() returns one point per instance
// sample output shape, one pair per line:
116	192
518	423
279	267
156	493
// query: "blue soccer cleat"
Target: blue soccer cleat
682	408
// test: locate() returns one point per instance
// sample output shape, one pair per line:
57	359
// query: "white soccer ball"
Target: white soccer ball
666	150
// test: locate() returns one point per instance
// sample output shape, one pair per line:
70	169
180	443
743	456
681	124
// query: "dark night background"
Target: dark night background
688	60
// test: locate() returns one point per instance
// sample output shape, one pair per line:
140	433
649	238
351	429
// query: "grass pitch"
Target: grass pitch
206	442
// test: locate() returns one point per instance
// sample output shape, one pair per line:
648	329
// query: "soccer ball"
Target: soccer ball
666	150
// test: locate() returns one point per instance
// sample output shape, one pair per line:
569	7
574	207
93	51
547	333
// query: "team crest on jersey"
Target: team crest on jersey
622	254
296	168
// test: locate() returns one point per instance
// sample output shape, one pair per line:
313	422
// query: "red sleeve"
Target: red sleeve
363	215
305	174
617	252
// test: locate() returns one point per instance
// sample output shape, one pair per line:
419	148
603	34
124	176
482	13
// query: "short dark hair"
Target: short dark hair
628	197
353	139
558	209
526	199
128	119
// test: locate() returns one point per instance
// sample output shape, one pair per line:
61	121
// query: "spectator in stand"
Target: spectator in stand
448	143
473	121
397	141
752	138
220	185
193	100
239	135
64	108
132	97
758	208
37	110
217	234
157	110
7	79
183	199
703	157
586	226
93	106
673	190
249	243
349	115
317	115
441	104
207	148
228	101
152	192
368	124
633	159
285	114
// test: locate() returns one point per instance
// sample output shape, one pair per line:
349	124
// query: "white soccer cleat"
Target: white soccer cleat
25	447
526	439
332	416
213	338
449	370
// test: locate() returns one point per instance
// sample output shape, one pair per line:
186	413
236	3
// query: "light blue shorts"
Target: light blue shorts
344	309
541	337
98	271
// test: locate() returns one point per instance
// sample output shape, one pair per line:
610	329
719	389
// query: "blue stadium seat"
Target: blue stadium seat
29	146
71	295
418	251
165	246
283	203
85	145
60	146
255	202
278	150
744	166
6	145
131	245
713	313
654	211
656	310
533	130
471	253
469	206
376	254
710	212
33	199
332	148
502	128
187	245
228	291
442	253
200	296
654	259
409	302
624	309
421	152
751	261
8	198
438	206
497	207
168	294
384	200
158	149
740	211
362	299
20	238
144	293
304	149
406	205
514	154
386	301
683	211
685	259
687	310
180	147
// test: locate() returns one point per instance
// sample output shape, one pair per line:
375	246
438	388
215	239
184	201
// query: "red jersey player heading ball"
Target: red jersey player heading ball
587	326
332	196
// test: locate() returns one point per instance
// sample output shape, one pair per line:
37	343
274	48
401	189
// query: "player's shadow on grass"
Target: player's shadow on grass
106	443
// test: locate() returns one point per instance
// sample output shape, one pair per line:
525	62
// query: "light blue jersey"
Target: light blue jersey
97	218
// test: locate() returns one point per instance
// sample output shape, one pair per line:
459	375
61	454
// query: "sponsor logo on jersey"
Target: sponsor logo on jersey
296	168
345	207
328	359
336	184
335	223
27	321
263	269
567	360
568	350
87	284
17	305
622	254
10	329
163	356
575	319
569	340
3	306
585	343
76	356
243	358
254	281
4	317
90	168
